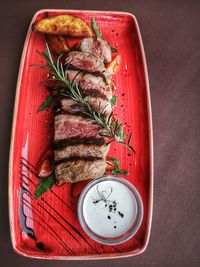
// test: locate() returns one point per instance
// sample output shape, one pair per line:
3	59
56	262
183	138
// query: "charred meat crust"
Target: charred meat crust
94	73
71	112
99	141
90	92
76	170
93	93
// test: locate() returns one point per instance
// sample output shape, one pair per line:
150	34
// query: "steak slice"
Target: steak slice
98	47
81	151
90	84
69	126
68	106
78	170
77	75
74	76
85	61
96	83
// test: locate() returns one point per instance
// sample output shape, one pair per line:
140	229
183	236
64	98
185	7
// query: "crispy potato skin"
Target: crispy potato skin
57	44
63	25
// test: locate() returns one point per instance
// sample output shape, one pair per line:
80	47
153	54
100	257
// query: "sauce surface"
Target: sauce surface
109	208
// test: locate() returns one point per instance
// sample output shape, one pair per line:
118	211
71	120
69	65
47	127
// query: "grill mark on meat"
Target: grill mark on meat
76	158
73	108
78	140
71	112
93	93
95	73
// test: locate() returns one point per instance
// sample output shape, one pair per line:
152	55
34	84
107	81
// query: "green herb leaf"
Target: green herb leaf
123	136
117	169
114	50
116	162
113	100
114	172
44	185
46	104
123	172
95	28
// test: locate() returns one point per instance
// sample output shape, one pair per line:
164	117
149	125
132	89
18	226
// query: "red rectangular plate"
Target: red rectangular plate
48	227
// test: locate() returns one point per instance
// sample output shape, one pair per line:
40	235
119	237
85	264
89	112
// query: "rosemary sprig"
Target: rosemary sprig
98	34
95	28
117	170
44	185
46	104
113	49
113	100
112	128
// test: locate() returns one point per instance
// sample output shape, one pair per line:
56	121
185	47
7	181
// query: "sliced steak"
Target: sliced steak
96	83
81	151
74	76
103	106
98	47
68	106
80	148
69	126
85	61
77	75
90	84
77	170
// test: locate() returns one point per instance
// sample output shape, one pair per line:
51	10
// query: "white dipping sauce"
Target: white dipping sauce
113	216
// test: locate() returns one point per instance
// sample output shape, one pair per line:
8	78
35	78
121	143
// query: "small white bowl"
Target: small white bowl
133	223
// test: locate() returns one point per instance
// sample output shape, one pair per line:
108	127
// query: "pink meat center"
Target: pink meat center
70	129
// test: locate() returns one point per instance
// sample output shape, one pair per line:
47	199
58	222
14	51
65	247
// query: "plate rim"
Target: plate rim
151	152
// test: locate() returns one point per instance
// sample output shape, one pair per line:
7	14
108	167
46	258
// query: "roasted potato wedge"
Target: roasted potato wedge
63	25
57	44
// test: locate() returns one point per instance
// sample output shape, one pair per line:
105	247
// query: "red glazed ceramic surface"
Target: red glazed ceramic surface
49	227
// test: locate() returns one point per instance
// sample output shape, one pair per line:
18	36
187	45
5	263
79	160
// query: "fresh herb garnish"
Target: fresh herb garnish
114	50
44	185
98	34
117	169
113	100
112	128
46	104
95	28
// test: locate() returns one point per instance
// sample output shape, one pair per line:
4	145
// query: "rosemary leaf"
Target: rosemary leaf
113	100
123	172
95	28
44	185
46	104
117	170
114	50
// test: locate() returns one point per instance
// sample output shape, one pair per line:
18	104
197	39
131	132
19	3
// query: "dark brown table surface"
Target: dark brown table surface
171	36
